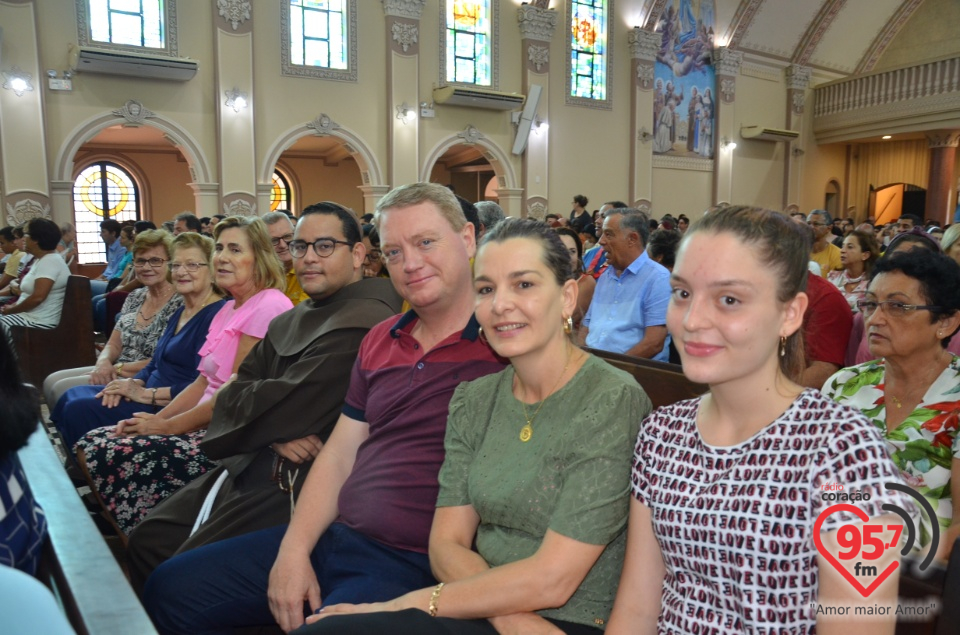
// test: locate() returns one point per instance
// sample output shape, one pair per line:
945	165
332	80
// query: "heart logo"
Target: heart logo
864	591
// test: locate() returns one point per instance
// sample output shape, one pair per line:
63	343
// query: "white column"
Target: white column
643	47
403	87
728	67
798	81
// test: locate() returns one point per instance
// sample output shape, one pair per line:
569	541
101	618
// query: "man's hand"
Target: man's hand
299	450
292	582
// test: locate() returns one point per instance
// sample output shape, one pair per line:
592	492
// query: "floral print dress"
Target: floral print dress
925	444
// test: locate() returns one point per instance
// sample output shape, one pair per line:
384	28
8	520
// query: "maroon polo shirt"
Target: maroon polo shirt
403	395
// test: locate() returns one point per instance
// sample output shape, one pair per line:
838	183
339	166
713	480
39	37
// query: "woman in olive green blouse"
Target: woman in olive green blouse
536	471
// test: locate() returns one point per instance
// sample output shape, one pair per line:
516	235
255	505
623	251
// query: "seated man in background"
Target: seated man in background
186	222
628	313
362	524
281	233
110	234
271	421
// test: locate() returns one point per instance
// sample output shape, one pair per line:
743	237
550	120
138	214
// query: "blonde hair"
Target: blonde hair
154	238
267	269
415	193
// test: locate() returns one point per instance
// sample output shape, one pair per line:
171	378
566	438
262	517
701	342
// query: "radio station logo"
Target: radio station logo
864	544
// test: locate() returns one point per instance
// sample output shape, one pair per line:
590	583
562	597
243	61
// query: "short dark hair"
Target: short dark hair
204	220
45	233
471	213
572	233
7	232
191	220
663	246
549	216
580	200
555	255
111	226
348	219
616	204
933	271
143	225
916	220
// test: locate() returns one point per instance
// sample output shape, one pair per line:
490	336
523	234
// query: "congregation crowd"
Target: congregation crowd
403	423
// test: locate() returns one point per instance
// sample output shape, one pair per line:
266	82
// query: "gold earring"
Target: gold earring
783	346
568	325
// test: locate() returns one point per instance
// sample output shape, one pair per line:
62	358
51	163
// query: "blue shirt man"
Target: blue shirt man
628	313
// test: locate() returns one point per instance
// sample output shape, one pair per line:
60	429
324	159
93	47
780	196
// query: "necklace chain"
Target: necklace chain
526	432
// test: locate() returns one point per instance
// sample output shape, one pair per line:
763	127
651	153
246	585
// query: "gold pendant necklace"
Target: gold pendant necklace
526	432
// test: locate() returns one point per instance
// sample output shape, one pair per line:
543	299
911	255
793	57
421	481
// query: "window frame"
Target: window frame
284	185
607	102
287	67
494	48
170	41
103	164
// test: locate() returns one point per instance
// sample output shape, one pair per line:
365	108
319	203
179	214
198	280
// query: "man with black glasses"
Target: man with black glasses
281	233
272	420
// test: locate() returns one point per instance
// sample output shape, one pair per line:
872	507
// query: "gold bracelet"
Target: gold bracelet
119	368
153	400
434	598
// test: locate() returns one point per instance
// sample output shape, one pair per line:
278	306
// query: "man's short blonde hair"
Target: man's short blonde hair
416	193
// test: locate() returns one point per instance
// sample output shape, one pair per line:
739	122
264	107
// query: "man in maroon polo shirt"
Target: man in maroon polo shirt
362	522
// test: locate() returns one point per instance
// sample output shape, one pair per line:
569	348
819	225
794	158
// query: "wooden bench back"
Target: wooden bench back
69	345
664	383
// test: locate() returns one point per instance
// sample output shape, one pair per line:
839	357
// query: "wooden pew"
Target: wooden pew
664	383
76	563
69	345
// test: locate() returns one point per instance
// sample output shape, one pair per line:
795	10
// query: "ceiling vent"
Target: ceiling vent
91	60
477	98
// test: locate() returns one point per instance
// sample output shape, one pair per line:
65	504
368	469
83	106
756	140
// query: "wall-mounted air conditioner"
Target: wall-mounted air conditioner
768	134
92	60
476	97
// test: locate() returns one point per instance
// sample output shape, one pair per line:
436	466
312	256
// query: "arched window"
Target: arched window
103	190
588	54
280	195
468	50
319	39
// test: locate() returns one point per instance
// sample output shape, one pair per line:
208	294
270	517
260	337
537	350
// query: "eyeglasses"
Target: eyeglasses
893	308
373	256
192	267
154	263
285	238
323	247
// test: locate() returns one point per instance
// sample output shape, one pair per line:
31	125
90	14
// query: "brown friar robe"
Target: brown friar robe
291	385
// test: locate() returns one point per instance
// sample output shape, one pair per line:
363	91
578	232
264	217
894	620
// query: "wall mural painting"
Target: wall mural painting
685	85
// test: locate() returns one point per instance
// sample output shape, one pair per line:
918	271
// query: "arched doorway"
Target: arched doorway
321	169
464	168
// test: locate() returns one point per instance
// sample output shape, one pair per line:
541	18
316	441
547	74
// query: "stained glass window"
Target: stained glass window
318	33
280	194
128	22
588	49
469	42
101	191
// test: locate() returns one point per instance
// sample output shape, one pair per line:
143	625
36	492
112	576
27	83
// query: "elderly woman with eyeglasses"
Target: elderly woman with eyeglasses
140	324
911	392
152	452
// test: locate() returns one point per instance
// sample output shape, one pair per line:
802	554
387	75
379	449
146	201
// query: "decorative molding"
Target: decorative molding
646	71
240	207
791	209
134	112
539	56
797	76
837	126
494	47
741	22
728	90
406	34
349	74
410	9
900	17
537	207
654	15
171	44
643	45
536	23
471	135
762	72
727	61
235	12
644	135
26	209
597	104
816	29
943	139
644	205
323	125
798	100
682	163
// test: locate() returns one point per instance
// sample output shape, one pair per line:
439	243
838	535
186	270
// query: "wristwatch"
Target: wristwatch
119	367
